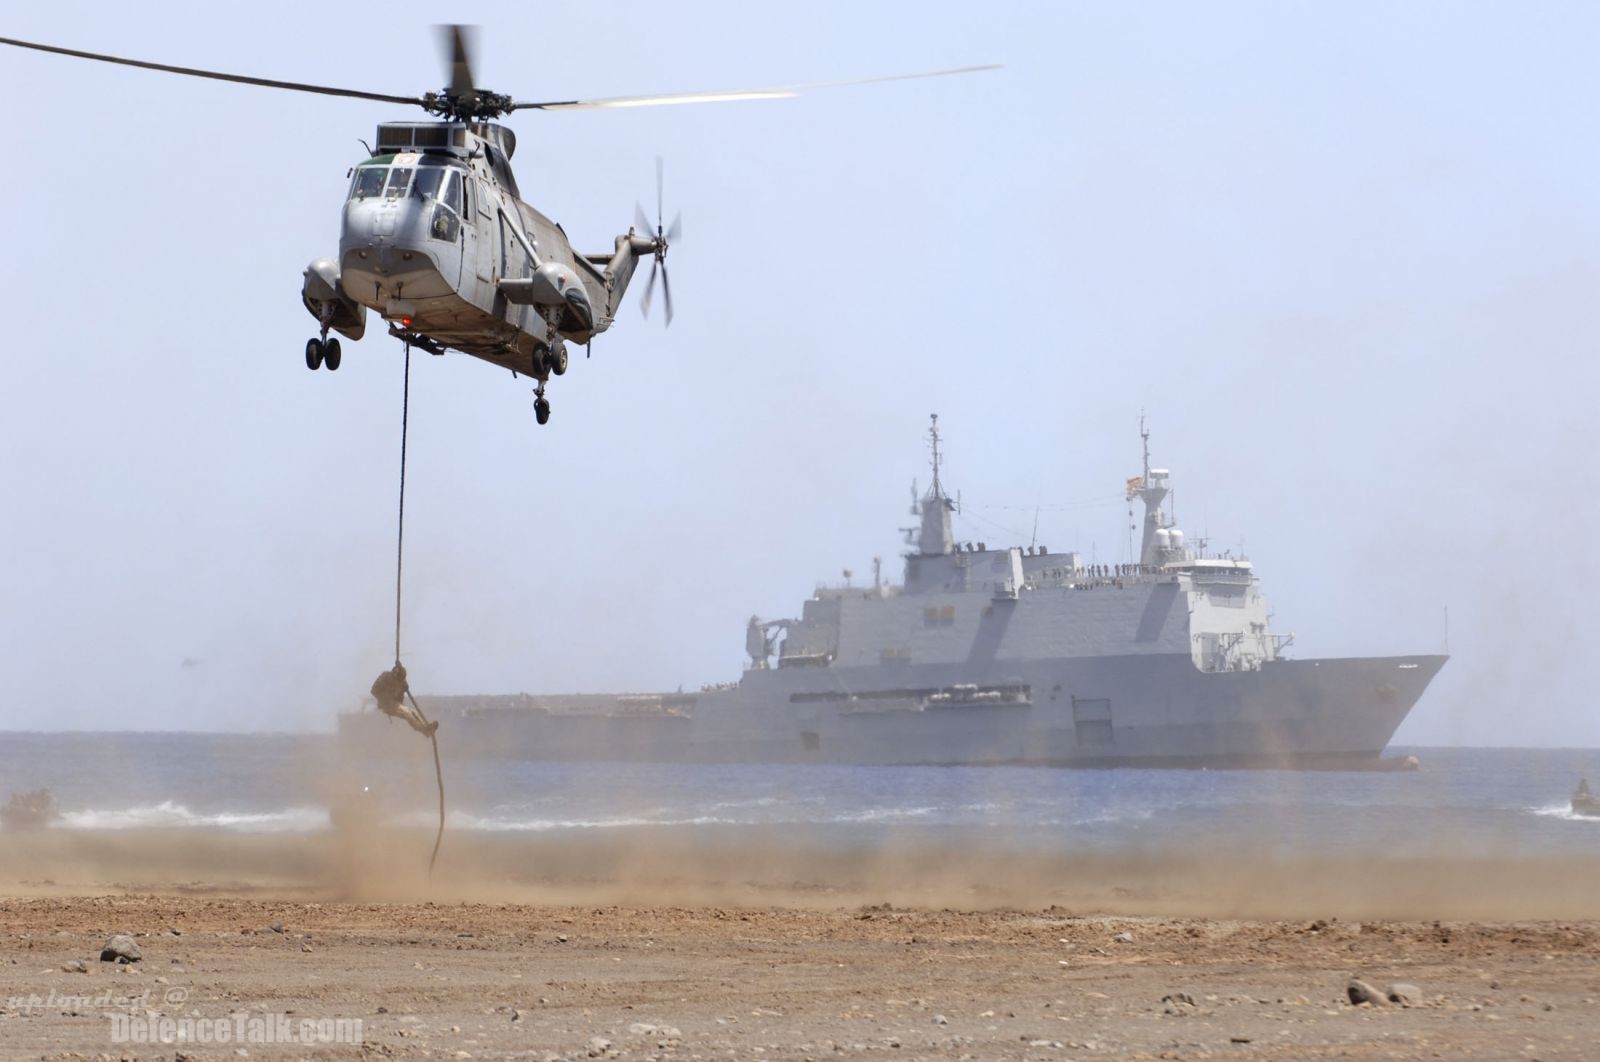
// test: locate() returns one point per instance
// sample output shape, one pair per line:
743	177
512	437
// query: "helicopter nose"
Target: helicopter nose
370	221
382	234
386	253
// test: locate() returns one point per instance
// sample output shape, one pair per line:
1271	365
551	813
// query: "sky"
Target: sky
1342	257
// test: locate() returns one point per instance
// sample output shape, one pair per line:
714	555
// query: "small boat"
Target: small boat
1584	802
29	811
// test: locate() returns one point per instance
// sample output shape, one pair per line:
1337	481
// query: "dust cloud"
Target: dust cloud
763	867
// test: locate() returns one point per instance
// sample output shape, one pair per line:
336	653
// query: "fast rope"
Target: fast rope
399	580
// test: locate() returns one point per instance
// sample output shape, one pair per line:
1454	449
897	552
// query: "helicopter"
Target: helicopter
438	243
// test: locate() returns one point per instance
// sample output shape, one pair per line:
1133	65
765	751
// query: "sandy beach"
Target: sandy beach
696	944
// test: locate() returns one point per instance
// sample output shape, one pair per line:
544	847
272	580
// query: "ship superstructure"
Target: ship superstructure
994	655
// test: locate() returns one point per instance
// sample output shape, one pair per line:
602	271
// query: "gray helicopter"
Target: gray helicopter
438	243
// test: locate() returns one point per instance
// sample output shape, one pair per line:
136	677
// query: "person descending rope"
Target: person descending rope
390	689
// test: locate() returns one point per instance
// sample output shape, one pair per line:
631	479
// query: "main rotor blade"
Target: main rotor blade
293	86
778	92
458	57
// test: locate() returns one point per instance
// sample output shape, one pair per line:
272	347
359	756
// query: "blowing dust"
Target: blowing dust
726	866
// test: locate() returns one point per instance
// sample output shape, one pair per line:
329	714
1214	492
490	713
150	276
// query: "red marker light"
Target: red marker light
405	322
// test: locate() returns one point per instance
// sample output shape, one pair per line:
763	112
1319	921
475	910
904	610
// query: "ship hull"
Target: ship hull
1150	710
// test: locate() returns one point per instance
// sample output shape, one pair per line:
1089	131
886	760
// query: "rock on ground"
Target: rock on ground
1407	995
121	949
1360	992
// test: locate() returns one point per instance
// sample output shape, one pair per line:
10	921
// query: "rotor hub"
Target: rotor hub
476	105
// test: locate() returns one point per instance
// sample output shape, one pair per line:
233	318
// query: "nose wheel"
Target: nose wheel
541	405
320	352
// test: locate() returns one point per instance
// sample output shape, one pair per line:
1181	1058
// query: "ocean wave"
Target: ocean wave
172	815
490	823
527	821
1108	816
1563	811
522	817
885	815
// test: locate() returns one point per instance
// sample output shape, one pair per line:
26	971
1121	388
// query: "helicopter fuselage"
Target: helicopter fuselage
436	242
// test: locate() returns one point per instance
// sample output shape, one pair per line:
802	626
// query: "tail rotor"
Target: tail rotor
665	236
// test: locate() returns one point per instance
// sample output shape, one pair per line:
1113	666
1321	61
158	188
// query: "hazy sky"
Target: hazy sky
1343	256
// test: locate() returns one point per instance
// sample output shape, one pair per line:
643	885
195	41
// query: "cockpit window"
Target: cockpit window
368	182
452	193
426	186
399	181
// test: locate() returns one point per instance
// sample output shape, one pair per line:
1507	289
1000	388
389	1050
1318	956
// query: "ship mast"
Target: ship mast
1151	488
936	536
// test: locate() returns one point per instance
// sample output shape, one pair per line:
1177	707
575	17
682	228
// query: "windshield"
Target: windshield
428	182
368	182
399	181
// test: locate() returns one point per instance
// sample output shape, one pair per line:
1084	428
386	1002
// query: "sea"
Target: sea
1464	801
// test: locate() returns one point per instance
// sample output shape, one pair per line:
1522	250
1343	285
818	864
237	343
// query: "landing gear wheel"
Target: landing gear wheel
557	360
541	409
330	354
313	354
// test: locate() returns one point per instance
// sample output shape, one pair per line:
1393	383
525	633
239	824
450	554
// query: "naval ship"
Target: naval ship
981	655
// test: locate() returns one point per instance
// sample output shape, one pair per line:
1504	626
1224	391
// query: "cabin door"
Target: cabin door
480	246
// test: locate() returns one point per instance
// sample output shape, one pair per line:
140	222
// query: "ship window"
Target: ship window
368	182
947	615
399	181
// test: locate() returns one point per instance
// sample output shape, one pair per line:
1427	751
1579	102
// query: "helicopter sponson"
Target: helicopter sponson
325	297
554	285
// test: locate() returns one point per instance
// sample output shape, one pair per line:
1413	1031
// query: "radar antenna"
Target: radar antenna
933	442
